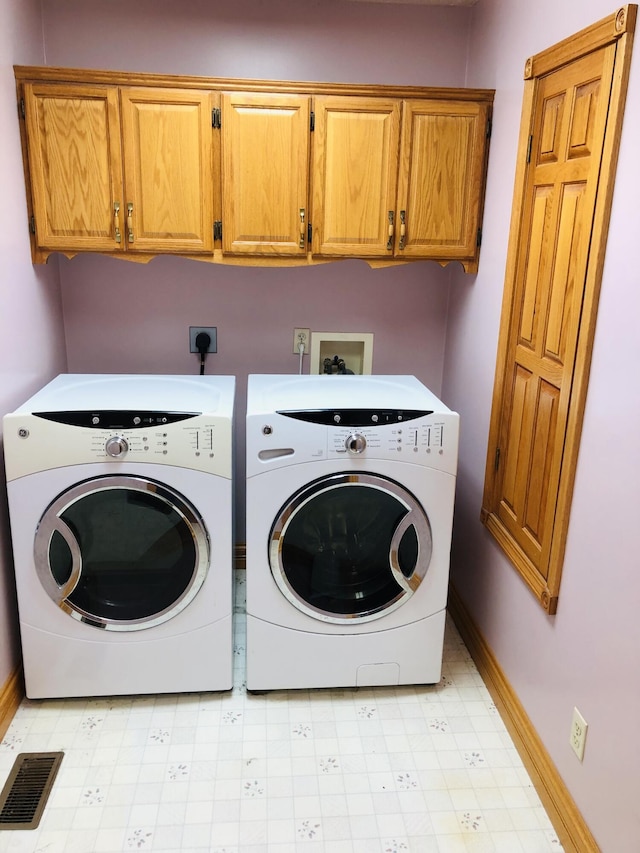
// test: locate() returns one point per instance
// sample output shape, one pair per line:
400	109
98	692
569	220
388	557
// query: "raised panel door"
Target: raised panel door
265	173
75	165
557	240
169	176
443	147
355	165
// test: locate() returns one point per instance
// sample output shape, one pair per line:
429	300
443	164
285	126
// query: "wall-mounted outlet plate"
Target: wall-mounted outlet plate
212	331
578	733
301	336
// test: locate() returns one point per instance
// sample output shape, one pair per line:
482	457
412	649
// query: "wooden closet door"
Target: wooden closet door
73	138
168	170
355	168
570	131
265	173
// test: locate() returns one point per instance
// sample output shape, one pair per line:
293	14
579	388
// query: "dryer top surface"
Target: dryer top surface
121	392
273	392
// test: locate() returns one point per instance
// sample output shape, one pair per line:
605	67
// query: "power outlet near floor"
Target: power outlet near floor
578	733
301	337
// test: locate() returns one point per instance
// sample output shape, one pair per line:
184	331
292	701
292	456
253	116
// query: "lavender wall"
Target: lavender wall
586	655
31	331
125	317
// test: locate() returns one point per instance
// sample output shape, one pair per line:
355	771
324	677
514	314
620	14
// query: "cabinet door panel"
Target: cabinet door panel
355	166
168	170
265	168
73	139
441	175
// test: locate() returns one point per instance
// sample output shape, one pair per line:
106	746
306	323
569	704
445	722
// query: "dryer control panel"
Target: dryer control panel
43	440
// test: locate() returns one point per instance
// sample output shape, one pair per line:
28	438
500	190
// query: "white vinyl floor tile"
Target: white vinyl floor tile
368	770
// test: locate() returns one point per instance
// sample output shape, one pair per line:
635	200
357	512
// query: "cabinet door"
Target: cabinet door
167	138
355	164
441	179
265	169
75	165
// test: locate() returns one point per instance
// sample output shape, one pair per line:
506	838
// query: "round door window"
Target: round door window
350	546
121	553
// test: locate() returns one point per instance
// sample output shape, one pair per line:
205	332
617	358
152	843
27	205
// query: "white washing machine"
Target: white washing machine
350	494
120	499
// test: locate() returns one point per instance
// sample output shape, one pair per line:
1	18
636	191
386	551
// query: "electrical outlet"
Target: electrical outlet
212	331
301	336
578	733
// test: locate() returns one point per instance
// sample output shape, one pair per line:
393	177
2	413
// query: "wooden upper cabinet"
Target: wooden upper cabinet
399	179
75	165
355	165
441	179
167	141
250	171
265	169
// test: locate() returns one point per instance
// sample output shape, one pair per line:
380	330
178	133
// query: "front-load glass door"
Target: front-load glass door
350	546
121	552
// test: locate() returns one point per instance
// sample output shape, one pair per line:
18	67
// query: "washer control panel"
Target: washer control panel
424	436
353	437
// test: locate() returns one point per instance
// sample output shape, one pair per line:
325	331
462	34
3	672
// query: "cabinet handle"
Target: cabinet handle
390	232
116	221
301	243
130	222
403	229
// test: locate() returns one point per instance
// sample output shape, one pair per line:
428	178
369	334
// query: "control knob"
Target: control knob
356	442
116	446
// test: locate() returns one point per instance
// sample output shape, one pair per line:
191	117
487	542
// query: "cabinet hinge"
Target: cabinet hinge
479	238
496	463
312	121
489	127
216	118
21	108
32	224
309	232
217	230
529	146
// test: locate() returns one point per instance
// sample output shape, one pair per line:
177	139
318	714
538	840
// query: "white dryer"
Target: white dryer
350	495
120	499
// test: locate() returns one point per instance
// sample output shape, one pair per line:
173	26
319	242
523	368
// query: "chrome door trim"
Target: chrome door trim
51	522
415	517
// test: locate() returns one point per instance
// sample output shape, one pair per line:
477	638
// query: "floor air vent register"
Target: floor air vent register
27	789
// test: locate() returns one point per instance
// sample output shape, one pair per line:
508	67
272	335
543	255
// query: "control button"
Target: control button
374	418
267	430
163	420
23	433
116	446
136	420
336	419
356	442
95	420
